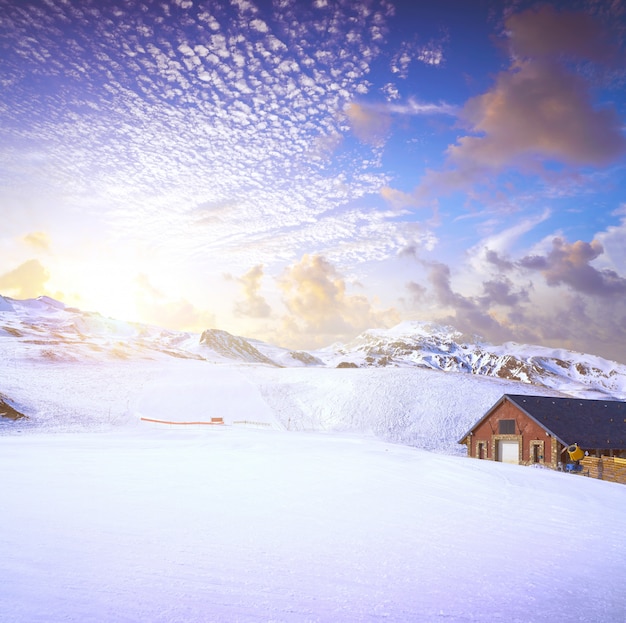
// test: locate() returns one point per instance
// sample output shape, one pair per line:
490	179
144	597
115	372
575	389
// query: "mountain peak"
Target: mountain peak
5	304
416	328
233	346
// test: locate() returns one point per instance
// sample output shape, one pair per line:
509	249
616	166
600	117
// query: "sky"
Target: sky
299	172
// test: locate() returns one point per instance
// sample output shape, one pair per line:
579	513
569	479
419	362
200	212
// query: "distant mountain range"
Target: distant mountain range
428	345
45	329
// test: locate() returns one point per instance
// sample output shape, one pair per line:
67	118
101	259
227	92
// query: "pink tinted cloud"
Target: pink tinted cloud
321	309
370	126
538	110
545	32
570	264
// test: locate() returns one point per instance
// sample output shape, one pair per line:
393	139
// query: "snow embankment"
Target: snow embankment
424	408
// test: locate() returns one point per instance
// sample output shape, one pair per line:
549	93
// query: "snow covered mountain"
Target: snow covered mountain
427	345
46	329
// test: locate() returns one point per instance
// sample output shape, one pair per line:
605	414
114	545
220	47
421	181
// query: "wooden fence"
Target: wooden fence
608	468
214	421
250	423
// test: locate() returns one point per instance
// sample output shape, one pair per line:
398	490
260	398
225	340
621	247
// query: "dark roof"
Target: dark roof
591	424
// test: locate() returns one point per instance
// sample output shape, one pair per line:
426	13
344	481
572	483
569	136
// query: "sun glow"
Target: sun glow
109	287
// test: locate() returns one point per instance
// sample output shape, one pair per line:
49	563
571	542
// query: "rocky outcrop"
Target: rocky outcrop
9	412
233	347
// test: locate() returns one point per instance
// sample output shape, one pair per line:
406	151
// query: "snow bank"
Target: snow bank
424	408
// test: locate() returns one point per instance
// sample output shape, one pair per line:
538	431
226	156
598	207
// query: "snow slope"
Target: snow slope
219	524
313	517
72	370
197	393
426	408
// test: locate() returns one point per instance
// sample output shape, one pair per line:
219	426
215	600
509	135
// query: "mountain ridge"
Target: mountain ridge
45	328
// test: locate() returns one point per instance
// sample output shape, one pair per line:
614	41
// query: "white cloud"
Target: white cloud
259	25
501	243
184	48
612	240
414	107
175	122
430	53
28	280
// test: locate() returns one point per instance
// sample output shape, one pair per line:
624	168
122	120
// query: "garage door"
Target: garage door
508	451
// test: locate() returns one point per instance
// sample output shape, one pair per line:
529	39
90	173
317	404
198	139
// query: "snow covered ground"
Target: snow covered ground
312	517
425	408
324	505
181	524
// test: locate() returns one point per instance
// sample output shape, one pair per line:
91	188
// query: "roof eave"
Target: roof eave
496	405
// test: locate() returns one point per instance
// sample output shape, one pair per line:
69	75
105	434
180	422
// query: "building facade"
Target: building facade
528	430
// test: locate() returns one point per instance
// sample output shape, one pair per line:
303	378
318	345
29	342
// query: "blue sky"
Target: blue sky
302	171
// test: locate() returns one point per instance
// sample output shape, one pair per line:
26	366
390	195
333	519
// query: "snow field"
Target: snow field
424	408
191	393
114	520
223	524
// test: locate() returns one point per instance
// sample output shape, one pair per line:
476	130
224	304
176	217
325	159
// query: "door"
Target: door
508	451
536	452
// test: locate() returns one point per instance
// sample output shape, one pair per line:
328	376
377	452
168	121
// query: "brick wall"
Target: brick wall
527	432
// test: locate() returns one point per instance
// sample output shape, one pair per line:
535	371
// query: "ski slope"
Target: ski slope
317	501
222	524
197	393
429	409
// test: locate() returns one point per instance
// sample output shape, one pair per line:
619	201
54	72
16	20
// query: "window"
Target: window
506	427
